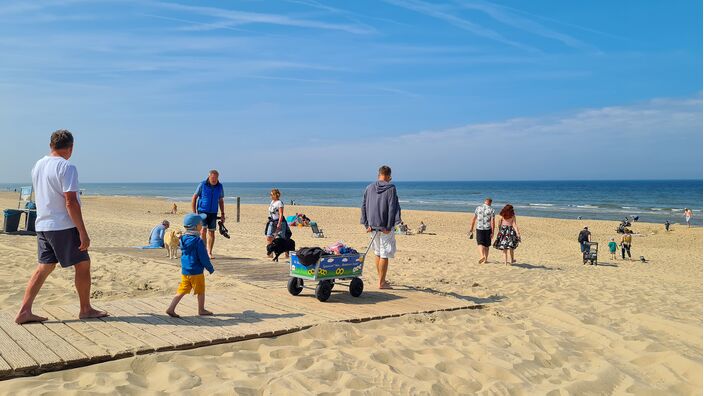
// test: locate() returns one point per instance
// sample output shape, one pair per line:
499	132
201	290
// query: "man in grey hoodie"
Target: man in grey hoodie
381	212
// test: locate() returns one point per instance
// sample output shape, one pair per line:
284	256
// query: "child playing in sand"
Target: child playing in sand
194	259
612	249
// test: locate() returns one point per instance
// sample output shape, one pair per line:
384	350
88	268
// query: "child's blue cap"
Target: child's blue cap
192	220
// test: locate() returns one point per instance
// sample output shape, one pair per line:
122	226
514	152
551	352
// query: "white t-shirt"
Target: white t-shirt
274	209
52	177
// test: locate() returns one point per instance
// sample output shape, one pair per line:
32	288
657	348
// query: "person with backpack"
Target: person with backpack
584	238
209	196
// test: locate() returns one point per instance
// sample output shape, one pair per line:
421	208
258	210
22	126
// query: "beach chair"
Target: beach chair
25	196
317	232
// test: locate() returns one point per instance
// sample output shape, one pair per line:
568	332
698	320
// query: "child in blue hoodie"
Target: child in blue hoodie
194	259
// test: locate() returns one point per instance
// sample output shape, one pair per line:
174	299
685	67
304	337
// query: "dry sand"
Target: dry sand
550	326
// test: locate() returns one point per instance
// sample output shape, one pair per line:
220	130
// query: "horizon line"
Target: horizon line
398	181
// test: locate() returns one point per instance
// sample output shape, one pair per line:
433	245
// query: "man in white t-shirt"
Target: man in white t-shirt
484	216
61	234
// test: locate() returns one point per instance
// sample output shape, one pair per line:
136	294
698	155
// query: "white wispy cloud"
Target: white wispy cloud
439	12
506	16
235	18
660	135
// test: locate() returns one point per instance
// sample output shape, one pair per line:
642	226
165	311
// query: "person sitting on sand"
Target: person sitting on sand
156	237
421	228
174	209
194	259
61	234
612	249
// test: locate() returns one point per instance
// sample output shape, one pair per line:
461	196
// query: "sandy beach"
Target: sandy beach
550	324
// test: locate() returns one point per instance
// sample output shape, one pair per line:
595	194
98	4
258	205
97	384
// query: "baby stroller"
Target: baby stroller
591	255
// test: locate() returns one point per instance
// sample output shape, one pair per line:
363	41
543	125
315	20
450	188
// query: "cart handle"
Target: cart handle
370	243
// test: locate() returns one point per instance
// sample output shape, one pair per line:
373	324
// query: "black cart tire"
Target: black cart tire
295	286
356	287
323	290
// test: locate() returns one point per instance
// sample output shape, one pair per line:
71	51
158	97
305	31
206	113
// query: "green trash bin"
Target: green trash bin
12	220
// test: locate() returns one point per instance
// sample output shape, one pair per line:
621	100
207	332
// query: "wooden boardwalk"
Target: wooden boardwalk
245	311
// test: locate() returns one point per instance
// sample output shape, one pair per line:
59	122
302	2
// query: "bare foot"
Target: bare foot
93	314
29	317
385	285
482	260
210	255
513	261
204	312
173	314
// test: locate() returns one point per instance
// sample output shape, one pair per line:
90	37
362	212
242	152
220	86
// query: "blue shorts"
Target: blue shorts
210	221
60	247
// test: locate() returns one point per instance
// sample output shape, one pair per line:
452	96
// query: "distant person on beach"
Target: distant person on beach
508	236
483	219
194	260
667	225
156	237
584	238
61	234
421	228
688	217
174	209
626	241
381	212
209	196
276	226
612	249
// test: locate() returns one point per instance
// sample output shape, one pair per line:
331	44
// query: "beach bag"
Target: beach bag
309	256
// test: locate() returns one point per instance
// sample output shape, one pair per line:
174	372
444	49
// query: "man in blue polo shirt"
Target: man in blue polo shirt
208	197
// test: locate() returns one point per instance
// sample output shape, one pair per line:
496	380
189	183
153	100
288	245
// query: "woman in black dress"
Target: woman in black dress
509	236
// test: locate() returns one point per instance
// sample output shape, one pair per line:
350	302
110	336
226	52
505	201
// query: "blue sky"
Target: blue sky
312	90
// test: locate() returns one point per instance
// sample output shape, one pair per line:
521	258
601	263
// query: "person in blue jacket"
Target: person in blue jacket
209	196
194	260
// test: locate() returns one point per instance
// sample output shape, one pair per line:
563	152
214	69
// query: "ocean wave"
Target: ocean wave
541	204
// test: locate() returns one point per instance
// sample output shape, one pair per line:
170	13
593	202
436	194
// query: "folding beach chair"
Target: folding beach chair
25	196
317	232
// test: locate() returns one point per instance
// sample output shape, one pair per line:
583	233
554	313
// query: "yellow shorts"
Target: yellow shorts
195	282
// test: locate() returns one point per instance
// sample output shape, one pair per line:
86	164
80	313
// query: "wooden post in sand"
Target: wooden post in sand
238	209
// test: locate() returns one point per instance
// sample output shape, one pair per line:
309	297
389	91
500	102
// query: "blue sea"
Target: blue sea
652	200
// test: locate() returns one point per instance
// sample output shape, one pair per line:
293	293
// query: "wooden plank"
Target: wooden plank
148	323
14	355
236	324
256	312
127	325
65	351
5	368
112	346
29	343
292	304
86	346
175	326
119	330
200	327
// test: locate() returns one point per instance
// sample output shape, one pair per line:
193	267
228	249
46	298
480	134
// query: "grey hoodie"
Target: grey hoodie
380	208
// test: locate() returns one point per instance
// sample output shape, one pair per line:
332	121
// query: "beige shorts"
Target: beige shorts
384	245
